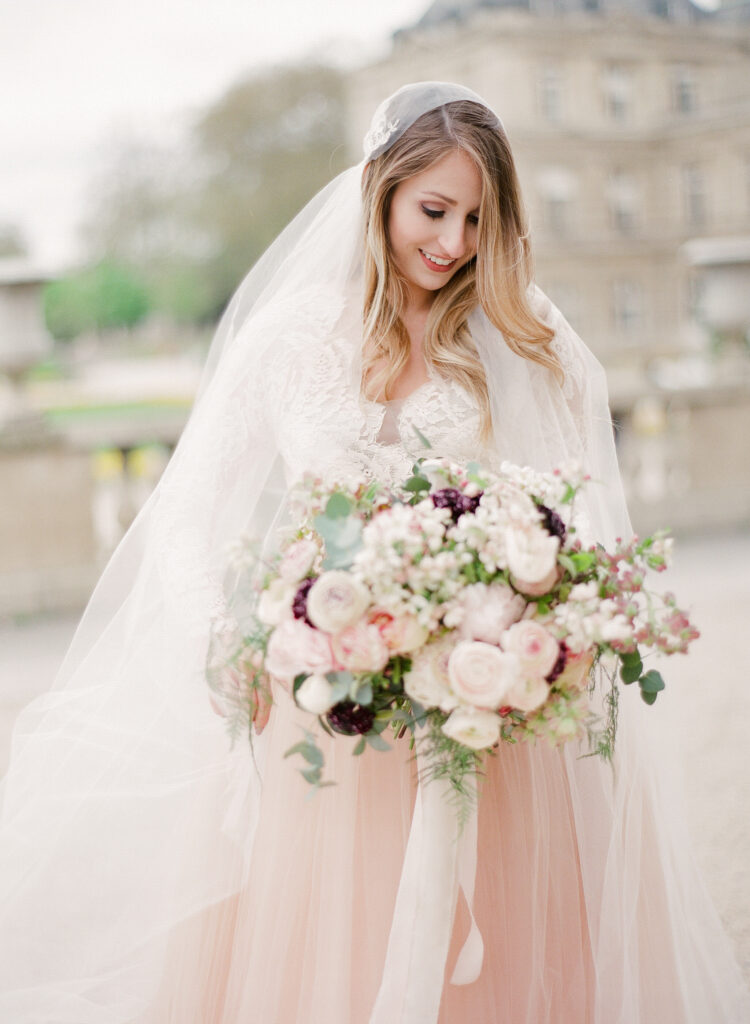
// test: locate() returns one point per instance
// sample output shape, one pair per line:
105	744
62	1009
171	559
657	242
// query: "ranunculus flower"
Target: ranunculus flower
336	600
531	552
473	728
298	559
360	648
402	633
427	681
295	647
481	674
315	695
528	694
543	586
536	648
576	671
488	611
275	602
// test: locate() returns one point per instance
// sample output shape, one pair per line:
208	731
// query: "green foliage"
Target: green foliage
196	218
99	297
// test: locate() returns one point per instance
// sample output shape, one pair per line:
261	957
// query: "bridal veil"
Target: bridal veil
125	814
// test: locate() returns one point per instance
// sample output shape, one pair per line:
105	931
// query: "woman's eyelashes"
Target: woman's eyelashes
434	214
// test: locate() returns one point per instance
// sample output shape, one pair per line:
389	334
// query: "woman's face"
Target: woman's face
432	223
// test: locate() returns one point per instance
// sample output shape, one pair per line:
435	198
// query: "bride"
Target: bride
149	873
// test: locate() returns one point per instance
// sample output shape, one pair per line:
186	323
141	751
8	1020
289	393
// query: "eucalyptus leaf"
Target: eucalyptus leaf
648	697
338	506
376	740
417	483
361	693
311	775
652	682
359	748
630	672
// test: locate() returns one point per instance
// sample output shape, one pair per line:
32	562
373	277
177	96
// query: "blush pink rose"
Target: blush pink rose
488	611
481	674
294	648
360	648
402	633
537	650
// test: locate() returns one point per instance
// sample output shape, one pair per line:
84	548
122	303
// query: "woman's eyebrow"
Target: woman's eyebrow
451	202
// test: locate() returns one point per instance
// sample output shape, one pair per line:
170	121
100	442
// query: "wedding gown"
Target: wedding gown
589	910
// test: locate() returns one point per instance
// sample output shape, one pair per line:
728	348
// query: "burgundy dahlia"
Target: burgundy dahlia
562	660
456	501
299	604
553	523
350	719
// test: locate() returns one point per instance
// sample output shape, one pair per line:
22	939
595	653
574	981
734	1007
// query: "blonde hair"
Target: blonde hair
497	277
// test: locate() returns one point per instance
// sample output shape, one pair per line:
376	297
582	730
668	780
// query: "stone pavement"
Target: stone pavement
703	716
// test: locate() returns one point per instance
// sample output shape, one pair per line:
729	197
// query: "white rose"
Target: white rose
527	694
336	600
531	552
298	560
427	681
315	695
473	728
536	648
488	611
481	674
538	587
275	603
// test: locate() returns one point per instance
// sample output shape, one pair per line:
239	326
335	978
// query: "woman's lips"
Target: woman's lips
434	266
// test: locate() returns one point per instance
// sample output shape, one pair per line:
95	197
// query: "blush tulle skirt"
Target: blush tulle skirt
589	905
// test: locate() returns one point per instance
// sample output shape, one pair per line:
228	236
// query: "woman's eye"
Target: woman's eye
473	219
432	213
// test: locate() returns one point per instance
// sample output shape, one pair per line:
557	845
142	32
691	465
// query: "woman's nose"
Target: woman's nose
453	238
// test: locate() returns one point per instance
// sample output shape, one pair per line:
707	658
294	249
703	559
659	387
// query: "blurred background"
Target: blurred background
152	152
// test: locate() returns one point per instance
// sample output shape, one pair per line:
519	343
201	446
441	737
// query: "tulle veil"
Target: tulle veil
128	825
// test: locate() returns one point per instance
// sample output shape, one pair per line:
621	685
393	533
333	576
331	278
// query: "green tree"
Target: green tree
94	299
194	219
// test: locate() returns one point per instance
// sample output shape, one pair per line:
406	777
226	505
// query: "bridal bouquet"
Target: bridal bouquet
464	607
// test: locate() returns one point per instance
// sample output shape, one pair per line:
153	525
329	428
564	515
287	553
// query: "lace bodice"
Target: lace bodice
322	425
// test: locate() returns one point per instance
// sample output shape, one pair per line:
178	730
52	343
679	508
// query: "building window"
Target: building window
694	195
557	189
550	94
627	307
684	89
618	92
622	200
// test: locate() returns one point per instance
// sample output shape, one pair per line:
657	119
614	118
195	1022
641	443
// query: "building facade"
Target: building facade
630	124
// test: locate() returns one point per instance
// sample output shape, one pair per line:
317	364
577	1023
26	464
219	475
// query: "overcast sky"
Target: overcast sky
75	73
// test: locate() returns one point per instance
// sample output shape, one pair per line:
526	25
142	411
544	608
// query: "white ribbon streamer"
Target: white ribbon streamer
436	860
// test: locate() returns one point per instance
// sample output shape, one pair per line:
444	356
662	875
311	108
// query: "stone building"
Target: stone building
630	123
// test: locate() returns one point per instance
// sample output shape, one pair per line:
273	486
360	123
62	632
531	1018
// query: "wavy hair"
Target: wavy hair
497	278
